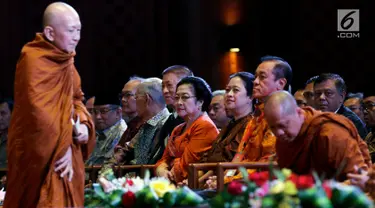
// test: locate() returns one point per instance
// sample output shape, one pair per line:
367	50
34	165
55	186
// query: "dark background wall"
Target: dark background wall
121	38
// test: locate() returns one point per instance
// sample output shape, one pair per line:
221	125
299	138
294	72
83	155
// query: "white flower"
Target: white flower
2	195
137	185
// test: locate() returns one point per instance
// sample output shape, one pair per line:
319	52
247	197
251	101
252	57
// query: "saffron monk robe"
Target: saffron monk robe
310	140
46	159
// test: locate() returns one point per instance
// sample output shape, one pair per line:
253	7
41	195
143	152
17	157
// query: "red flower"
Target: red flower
129	182
327	189
259	177
128	199
235	188
302	181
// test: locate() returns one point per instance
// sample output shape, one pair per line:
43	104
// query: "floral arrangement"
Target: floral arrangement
137	192
2	196
282	188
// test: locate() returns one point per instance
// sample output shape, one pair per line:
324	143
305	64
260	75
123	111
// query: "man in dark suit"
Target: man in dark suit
171	76
329	94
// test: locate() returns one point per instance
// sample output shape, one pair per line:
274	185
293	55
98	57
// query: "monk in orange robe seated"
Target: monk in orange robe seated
51	132
191	139
310	140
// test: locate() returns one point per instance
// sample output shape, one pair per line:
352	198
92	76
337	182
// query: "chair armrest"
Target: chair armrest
221	167
193	173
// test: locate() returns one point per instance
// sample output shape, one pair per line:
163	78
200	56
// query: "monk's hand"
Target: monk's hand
359	179
81	134
65	165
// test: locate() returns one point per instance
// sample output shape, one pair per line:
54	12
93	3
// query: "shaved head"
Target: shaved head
280	102
62	26
55	13
283	116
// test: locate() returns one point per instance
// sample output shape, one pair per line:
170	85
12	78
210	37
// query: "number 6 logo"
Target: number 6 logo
346	19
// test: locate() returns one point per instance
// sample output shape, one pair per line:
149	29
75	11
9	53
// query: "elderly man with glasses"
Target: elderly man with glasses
153	113
110	126
127	97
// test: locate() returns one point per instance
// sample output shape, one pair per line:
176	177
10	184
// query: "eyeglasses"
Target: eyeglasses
184	98
369	106
126	95
102	111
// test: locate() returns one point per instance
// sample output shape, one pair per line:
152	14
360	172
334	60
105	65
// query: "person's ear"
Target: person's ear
200	104
49	33
148	99
343	96
299	112
119	112
249	100
281	83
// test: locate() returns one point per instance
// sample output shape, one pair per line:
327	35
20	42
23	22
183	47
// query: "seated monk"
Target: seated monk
191	139
238	103
310	140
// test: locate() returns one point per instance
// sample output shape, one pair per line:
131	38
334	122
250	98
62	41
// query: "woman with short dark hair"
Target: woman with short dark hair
238	102
191	139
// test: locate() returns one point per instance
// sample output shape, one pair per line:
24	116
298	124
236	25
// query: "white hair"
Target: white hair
152	86
218	92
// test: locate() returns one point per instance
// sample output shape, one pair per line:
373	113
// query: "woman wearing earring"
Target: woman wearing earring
190	140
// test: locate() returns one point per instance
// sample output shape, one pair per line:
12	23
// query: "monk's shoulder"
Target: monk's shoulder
333	131
30	59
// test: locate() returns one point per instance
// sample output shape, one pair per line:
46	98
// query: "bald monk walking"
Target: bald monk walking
310	140
51	132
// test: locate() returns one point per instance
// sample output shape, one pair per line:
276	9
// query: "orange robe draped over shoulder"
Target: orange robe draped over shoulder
258	142
47	94
188	147
323	143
